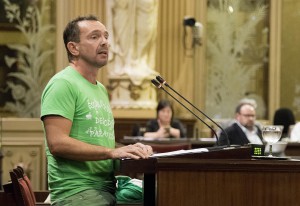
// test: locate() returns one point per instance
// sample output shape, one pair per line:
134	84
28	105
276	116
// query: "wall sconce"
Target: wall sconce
190	22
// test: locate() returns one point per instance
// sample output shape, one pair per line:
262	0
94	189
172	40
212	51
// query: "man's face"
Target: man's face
247	116
93	45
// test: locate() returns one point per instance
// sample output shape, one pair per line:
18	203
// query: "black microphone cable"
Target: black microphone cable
162	81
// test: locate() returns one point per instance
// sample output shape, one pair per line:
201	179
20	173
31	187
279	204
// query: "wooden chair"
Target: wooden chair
21	188
21	191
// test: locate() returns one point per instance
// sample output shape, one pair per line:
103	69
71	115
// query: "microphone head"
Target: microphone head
156	83
161	80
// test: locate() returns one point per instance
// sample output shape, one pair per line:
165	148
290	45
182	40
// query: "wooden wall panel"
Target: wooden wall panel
23	144
228	188
275	58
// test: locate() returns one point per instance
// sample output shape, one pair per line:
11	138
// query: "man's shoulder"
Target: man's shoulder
258	127
233	126
66	73
233	129
62	76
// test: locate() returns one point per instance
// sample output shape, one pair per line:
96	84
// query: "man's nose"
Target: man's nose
104	41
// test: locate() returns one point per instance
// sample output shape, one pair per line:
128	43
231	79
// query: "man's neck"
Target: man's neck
87	72
248	128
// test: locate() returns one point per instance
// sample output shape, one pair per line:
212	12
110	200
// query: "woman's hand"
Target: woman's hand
162	132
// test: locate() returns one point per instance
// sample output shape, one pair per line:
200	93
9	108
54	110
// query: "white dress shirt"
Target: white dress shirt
251	135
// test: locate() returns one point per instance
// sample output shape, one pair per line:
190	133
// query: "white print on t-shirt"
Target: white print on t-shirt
89	116
95	131
105	122
96	105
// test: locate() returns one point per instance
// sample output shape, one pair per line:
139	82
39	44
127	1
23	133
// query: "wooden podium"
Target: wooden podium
221	177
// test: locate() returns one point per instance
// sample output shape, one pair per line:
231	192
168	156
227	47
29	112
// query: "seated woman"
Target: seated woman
164	126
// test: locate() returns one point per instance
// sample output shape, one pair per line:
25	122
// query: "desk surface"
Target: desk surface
152	164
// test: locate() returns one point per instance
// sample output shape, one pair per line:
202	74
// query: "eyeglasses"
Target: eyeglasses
248	115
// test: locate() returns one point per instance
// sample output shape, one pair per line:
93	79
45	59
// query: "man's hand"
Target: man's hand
135	151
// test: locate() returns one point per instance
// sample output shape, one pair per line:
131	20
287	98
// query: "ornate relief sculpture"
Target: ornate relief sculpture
132	25
33	60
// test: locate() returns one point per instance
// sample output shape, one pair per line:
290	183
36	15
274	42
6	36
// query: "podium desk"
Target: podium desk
292	149
217	178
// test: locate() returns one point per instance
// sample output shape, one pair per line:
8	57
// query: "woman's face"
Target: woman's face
165	115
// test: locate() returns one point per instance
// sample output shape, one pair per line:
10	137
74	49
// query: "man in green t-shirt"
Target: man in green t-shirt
78	122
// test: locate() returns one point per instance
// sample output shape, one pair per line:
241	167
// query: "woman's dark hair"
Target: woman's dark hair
72	31
163	104
285	117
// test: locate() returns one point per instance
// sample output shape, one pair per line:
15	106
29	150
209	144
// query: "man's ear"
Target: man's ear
73	48
237	115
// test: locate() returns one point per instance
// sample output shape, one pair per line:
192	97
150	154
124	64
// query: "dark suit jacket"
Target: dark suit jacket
236	135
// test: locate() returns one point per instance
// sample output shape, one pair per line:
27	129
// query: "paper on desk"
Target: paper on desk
180	152
141	138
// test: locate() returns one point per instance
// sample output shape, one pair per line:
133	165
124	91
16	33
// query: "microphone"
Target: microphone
162	81
159	86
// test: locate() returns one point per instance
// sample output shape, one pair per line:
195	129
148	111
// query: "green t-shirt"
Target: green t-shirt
70	95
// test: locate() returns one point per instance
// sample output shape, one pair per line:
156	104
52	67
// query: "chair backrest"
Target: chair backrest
22	189
27	180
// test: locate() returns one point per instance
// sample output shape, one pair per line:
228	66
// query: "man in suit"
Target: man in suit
244	130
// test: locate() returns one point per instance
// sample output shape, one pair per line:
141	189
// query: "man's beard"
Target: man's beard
249	127
96	63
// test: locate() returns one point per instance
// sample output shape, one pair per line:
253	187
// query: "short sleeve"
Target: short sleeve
58	98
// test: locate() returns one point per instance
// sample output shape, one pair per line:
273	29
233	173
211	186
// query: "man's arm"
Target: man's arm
57	130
